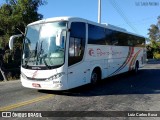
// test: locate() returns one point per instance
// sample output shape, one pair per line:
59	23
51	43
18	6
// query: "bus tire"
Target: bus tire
95	76
136	67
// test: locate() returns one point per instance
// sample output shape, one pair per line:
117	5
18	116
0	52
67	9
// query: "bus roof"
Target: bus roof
67	18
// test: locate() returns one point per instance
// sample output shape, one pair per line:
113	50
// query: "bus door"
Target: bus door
76	67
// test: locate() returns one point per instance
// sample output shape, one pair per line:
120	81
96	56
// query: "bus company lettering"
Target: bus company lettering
97	53
91	52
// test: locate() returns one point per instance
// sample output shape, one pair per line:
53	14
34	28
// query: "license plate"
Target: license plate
36	85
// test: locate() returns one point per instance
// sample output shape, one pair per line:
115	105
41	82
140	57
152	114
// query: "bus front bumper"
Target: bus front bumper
45	85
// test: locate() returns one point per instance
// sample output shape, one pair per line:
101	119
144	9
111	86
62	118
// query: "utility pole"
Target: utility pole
99	11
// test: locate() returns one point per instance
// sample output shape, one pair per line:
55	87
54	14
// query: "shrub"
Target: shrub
157	55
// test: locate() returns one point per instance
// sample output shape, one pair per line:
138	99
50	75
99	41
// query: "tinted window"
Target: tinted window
96	35
138	41
122	39
108	36
105	36
76	42
78	30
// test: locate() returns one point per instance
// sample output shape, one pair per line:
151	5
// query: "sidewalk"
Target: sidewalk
153	61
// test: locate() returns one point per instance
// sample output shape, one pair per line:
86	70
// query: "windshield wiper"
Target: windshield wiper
40	51
35	53
29	50
26	62
43	57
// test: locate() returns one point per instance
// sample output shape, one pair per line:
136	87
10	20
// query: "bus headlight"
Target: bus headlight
58	75
23	75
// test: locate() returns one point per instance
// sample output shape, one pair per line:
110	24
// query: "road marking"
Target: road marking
13	106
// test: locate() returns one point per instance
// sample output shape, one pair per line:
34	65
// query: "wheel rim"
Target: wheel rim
94	78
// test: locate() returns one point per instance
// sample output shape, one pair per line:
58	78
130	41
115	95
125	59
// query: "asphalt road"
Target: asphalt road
126	92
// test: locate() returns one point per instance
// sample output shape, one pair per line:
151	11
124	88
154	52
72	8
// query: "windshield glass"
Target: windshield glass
43	46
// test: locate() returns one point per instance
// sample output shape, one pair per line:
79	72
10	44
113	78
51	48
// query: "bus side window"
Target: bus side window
75	47
76	42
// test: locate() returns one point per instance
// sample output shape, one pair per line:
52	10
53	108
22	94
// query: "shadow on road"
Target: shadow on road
147	81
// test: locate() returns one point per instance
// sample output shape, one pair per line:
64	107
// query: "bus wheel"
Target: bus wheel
94	77
136	67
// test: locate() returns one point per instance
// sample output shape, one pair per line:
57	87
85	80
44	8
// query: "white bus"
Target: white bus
66	52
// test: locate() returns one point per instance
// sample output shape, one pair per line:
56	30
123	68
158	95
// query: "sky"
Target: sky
135	16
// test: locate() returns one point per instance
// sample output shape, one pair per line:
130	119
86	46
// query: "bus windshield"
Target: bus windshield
42	46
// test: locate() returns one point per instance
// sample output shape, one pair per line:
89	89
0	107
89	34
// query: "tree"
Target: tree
153	49
17	14
154	31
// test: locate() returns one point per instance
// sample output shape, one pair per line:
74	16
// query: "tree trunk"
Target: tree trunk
4	77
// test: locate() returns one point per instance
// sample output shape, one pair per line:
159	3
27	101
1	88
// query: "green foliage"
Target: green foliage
156	55
154	31
149	52
153	49
155	45
16	14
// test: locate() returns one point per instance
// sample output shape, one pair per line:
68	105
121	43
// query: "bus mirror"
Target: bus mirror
59	37
11	40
